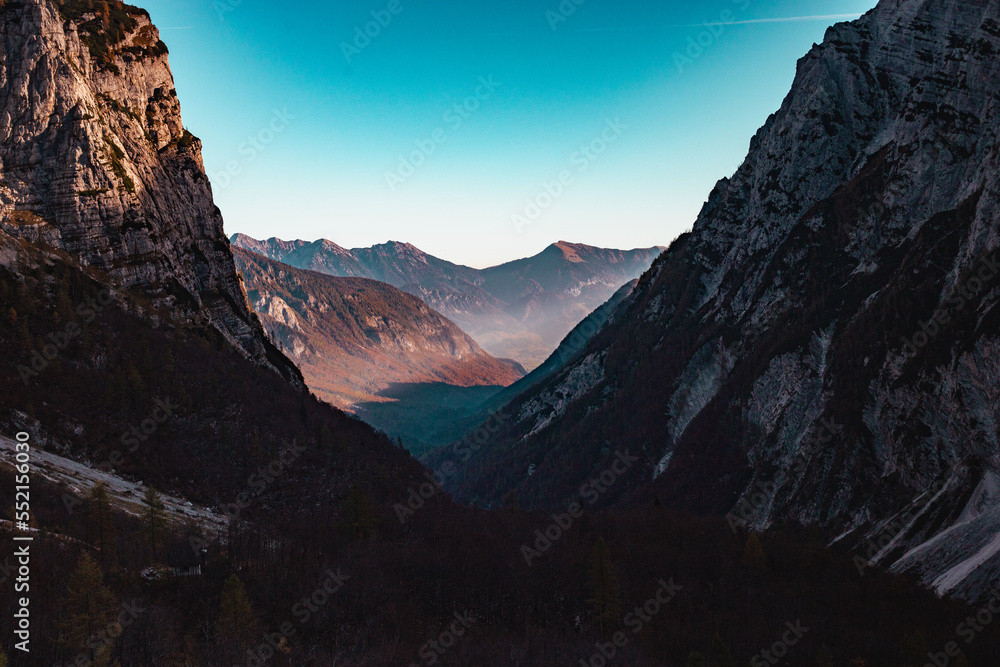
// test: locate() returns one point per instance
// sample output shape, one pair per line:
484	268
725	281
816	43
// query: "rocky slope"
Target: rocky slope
95	161
824	346
355	337
520	310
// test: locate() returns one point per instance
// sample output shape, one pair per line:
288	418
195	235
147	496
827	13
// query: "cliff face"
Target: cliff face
844	282
95	161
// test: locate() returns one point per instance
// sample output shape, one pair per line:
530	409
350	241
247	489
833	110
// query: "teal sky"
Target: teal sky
304	137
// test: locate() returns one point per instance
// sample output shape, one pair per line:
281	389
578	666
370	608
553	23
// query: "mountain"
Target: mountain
96	162
823	348
519	310
286	526
356	337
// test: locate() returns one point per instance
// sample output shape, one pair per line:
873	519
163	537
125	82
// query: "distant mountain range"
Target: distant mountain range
519	310
355	337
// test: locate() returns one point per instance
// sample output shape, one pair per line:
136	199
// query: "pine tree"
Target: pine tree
256	449
103	526
753	554
719	654
325	438
104	14
695	660
605	601
153	517
237	624
135	388
90	608
510	503
914	649
64	306
358	516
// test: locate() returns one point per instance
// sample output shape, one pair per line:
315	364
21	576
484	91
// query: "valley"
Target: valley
773	442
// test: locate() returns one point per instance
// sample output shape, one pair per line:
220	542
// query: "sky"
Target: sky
480	132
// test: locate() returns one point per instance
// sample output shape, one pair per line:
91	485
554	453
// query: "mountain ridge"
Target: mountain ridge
355	337
863	210
519	309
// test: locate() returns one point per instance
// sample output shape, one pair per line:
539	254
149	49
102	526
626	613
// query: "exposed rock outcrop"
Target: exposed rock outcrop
95	161
843	282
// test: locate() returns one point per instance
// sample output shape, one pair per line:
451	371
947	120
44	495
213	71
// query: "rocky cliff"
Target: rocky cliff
823	347
95	161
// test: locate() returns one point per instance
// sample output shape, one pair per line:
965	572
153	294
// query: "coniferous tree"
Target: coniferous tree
358	516
103	526
914	649
237	624
719	654
695	660
153	518
90	608
605	600
753	554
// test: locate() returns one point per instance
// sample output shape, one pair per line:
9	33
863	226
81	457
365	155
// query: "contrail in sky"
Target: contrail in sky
784	19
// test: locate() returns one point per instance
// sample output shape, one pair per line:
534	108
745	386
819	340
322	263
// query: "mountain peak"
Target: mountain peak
571	251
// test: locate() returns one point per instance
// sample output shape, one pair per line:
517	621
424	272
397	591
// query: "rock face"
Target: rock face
354	337
520	310
95	161
824	346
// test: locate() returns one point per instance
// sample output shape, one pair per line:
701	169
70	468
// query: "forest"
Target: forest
329	521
